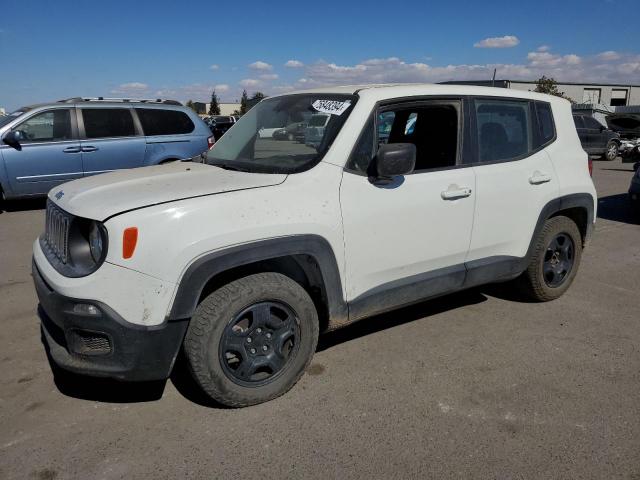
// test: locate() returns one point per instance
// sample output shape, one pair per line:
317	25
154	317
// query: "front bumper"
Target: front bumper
103	344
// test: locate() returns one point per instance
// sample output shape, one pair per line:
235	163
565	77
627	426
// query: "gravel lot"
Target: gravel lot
473	385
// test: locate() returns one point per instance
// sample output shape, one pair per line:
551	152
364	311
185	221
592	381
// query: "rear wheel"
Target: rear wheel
252	339
555	260
612	151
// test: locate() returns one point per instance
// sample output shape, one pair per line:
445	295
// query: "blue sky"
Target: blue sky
56	49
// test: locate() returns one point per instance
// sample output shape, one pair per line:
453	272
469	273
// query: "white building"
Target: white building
616	95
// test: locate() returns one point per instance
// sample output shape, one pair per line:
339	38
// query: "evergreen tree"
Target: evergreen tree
214	106
244	103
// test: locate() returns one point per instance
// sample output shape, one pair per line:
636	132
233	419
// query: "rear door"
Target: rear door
597	135
110	139
48	155
515	179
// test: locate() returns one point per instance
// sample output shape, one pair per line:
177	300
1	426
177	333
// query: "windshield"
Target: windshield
251	146
12	116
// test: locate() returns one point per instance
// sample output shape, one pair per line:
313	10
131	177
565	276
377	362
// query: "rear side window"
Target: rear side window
108	122
578	121
546	127
592	123
164	122
503	128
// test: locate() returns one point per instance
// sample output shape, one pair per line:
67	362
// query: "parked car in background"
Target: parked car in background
241	262
219	124
596	139
48	144
292	132
634	190
627	125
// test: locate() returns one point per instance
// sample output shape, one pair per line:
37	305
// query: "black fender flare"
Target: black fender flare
203	269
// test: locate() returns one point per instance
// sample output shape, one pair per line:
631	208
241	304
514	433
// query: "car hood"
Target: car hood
101	196
627	124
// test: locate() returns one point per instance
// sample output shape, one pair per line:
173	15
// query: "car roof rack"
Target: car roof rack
119	100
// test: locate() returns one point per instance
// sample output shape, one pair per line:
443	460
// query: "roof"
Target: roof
378	92
506	82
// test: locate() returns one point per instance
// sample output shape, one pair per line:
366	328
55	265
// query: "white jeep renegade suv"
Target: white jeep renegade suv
412	191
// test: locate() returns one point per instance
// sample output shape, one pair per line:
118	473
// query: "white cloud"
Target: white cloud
131	88
562	67
249	83
269	76
222	88
609	56
260	65
543	48
294	64
498	42
214	67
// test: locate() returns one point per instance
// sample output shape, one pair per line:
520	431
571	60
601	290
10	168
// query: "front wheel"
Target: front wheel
612	151
555	260
251	340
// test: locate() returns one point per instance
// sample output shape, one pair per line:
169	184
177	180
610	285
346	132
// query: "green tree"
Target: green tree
244	103
258	96
214	106
550	87
191	105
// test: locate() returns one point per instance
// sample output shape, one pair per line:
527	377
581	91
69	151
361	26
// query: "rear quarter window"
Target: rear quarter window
164	122
546	127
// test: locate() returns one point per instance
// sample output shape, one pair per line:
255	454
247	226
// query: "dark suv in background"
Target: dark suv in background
596	139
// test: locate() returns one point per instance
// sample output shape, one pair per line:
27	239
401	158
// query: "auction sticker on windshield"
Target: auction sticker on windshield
332	107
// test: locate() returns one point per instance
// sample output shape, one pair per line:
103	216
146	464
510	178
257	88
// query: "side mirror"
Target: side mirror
13	139
395	159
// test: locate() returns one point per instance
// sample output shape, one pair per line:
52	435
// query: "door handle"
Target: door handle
89	149
538	177
72	150
454	192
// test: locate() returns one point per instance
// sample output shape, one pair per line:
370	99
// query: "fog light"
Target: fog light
86	309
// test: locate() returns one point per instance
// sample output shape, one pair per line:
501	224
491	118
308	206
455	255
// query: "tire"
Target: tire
611	153
259	309
543	280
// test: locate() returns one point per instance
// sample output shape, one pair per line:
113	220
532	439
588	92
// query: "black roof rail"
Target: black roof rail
119	100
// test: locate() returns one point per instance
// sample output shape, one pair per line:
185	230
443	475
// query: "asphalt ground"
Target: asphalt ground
473	385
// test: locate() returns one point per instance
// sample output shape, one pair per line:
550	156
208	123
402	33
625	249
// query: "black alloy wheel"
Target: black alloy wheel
558	260
259	343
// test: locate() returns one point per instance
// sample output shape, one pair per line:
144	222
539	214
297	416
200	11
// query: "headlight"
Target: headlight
96	243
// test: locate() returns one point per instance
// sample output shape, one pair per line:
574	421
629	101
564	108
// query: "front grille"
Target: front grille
56	234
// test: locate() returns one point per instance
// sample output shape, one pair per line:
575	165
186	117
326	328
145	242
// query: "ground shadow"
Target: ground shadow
106	390
25	205
618	208
629	170
399	317
103	389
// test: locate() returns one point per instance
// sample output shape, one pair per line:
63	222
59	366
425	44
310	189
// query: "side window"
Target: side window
578	121
108	122
50	126
503	128
545	122
364	152
164	122
592	123
432	127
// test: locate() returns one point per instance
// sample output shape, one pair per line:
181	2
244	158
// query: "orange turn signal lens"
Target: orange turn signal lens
129	241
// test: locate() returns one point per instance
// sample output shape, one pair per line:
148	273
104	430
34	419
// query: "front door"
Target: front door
110	139
49	153
407	238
